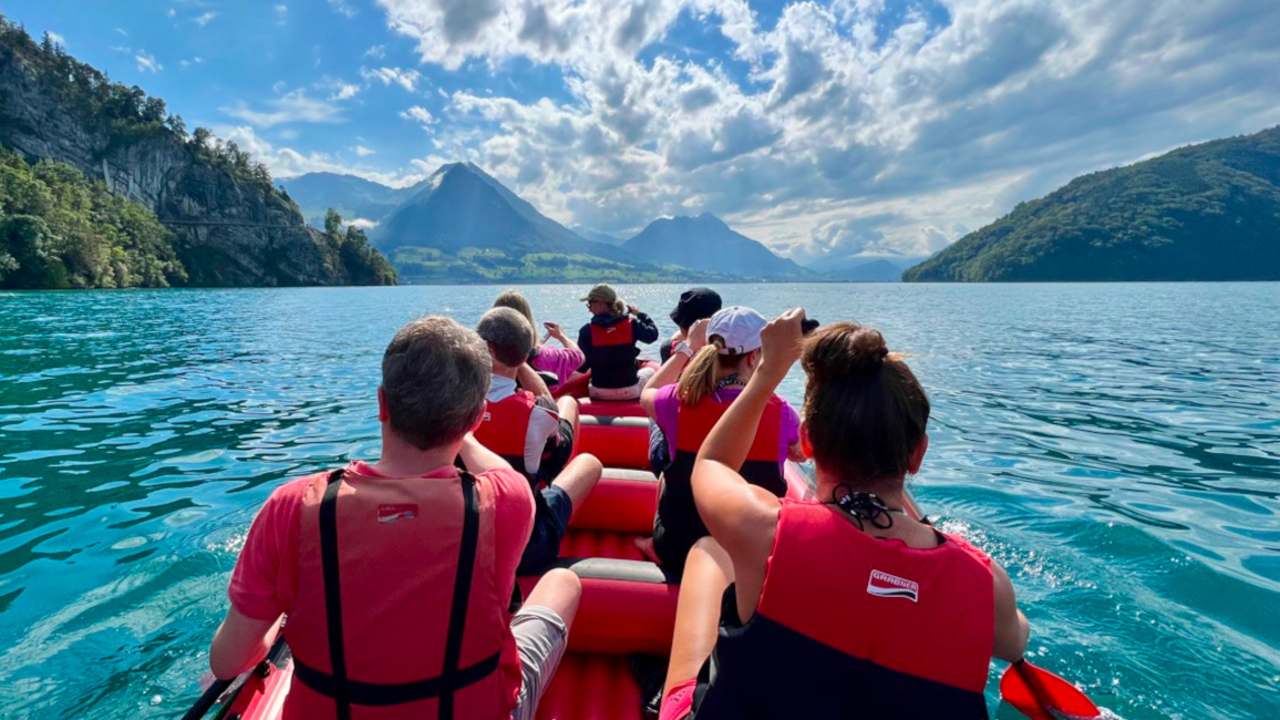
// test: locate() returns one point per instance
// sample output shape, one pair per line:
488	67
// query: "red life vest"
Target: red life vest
619	333
677	525
505	425
612	354
398	615
884	630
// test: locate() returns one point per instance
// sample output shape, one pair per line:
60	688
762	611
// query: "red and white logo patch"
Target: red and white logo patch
882	584
392	513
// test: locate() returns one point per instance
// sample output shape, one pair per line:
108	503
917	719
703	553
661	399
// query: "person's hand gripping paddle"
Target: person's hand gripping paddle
1041	695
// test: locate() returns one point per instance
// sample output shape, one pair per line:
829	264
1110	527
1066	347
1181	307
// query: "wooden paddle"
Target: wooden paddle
1041	695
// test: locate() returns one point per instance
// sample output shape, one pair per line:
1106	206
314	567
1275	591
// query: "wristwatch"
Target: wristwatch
684	349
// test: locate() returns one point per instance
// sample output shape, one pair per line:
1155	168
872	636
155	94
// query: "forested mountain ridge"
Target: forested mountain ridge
1202	212
224	222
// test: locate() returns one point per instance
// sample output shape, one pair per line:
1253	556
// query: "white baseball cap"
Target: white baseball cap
739	327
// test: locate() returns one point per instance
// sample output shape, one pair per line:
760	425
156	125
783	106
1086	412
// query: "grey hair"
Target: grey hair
435	377
508	334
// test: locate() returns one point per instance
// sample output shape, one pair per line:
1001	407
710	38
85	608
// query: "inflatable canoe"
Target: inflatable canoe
628	604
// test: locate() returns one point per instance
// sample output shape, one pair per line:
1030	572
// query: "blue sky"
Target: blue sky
833	128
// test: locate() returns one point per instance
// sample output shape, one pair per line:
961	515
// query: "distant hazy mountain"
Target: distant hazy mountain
353	197
706	243
464	226
596	236
873	270
830	265
1204	212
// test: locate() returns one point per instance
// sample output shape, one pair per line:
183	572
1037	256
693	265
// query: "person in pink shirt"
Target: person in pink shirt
396	576
563	361
705	374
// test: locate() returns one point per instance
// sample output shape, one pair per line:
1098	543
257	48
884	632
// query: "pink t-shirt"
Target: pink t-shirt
562	362
264	584
666	411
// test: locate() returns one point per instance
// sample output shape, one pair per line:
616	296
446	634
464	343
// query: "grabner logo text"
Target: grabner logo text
882	584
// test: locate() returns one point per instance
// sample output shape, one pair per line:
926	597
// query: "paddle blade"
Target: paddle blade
1041	695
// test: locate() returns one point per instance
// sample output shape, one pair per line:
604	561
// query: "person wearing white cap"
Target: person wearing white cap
712	366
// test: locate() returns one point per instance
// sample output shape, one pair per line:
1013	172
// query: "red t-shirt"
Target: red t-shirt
264	584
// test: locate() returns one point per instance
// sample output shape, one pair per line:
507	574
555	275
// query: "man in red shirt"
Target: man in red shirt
395	576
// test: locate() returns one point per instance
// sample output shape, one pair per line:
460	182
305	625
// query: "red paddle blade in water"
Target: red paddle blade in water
1041	695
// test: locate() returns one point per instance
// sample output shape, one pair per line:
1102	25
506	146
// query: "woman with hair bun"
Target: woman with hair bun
563	361
872	611
609	344
712	366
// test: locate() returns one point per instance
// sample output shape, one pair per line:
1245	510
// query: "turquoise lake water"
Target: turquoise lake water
1116	447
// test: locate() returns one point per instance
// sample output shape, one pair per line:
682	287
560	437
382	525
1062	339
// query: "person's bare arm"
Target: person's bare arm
1012	629
555	330
479	458
530	380
240	643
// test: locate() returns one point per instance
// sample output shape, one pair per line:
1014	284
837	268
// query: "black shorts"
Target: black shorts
558	454
550	519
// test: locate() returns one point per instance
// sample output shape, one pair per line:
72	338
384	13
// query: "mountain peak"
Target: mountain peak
707	243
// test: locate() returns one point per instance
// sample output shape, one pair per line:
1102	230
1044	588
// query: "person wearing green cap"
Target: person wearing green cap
609	344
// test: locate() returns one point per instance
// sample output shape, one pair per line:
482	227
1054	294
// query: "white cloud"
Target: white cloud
343	7
362	223
292	107
344	91
147	62
363	151
405	78
377	52
849	126
418	114
282	14
204	18
121	31
170	13
286	162
56	38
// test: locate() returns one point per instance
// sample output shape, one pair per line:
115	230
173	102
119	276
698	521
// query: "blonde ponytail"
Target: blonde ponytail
699	379
619	308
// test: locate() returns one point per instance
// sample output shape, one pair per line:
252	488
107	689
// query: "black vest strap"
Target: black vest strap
461	594
380	695
333	590
453	678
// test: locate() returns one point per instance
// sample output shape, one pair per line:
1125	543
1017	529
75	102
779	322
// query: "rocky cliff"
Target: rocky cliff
230	229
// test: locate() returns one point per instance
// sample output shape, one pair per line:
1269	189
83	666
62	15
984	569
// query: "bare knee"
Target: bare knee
588	464
560	590
567	406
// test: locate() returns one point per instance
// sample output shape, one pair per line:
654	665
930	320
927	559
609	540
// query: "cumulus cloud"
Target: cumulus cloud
849	126
418	114
344	91
147	62
363	151
292	107
56	39
405	78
